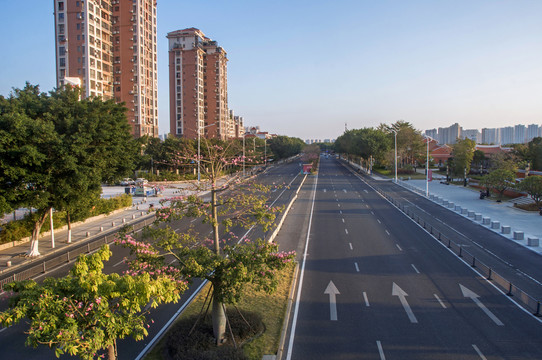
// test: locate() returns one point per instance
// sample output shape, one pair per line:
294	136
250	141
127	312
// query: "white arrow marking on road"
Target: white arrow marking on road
401	294
474	297
332	291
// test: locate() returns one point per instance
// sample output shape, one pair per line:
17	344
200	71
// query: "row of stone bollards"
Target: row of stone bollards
494	225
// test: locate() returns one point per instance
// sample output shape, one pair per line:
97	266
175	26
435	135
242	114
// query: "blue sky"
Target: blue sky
305	68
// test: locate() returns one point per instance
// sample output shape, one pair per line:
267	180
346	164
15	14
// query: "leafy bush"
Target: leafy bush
19	229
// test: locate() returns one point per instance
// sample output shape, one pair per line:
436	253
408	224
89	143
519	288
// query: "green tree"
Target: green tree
228	268
532	185
284	147
499	180
463	153
87	311
535	153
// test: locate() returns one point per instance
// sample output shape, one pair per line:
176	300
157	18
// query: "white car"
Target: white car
141	181
126	182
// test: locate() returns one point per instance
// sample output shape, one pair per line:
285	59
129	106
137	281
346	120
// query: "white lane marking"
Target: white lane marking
367	206
301	275
172	261
357	267
475	298
177	229
343	220
398	247
401	294
336	199
387	232
380	350
378	221
344	190
324	190
339	205
351	248
371	211
340	212
414	267
440	301
120	262
3	329
365	191
332	291
366	299
346	231
193	220
479	352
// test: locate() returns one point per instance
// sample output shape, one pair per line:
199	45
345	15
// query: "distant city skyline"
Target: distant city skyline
507	135
304	68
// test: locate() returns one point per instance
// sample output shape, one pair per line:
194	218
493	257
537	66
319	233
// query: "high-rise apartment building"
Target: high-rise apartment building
198	86
108	47
533	131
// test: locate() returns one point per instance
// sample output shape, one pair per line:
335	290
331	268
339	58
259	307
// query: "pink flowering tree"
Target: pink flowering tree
228	267
84	313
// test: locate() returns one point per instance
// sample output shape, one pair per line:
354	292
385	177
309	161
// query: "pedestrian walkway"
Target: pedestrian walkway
12	257
530	223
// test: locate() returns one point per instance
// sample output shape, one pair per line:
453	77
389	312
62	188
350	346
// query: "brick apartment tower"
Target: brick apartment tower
198	87
108	47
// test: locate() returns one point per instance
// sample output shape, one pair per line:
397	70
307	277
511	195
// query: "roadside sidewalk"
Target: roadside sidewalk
498	216
96	227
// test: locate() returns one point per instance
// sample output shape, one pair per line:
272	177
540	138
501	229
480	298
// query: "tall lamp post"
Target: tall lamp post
395	136
427	138
199	141
244	135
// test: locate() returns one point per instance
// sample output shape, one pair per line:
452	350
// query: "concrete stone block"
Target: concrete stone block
486	221
495	224
457	208
464	211
445	202
532	241
519	235
451	205
505	229
478	217
470	213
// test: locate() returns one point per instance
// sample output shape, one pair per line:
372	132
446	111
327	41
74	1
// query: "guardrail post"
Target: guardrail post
460	250
537	313
489	274
44	267
473	261
88	247
68	255
449	243
509	290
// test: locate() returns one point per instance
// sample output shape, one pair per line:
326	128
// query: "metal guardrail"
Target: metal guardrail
71	254
528	302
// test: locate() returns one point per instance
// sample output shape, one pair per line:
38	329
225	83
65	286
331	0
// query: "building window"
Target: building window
62	61
61	17
62	51
61	5
78	26
61	29
77	3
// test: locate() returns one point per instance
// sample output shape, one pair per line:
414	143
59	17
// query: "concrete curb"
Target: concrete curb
289	306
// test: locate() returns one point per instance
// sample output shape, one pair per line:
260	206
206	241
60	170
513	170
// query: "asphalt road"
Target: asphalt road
12	339
375	285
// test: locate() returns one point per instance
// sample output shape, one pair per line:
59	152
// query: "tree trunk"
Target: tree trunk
68	221
34	251
112	351
218	315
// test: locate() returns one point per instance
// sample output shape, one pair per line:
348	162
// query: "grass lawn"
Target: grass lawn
271	307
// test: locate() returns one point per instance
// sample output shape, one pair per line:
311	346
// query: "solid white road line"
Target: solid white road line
440	301
371	211
357	267
414	267
380	350
398	247
379	221
479	352
387	232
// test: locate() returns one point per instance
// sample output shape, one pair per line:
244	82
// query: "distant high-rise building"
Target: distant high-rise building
433	133
109	48
520	133
449	135
507	135
198	87
490	136
472	134
533	131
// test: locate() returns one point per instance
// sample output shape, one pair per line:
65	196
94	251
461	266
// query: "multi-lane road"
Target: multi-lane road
374	285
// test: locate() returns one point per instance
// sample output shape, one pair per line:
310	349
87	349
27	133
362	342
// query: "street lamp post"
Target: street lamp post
244	154
427	138
395	136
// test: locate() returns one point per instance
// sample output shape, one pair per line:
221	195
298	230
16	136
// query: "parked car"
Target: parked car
127	181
